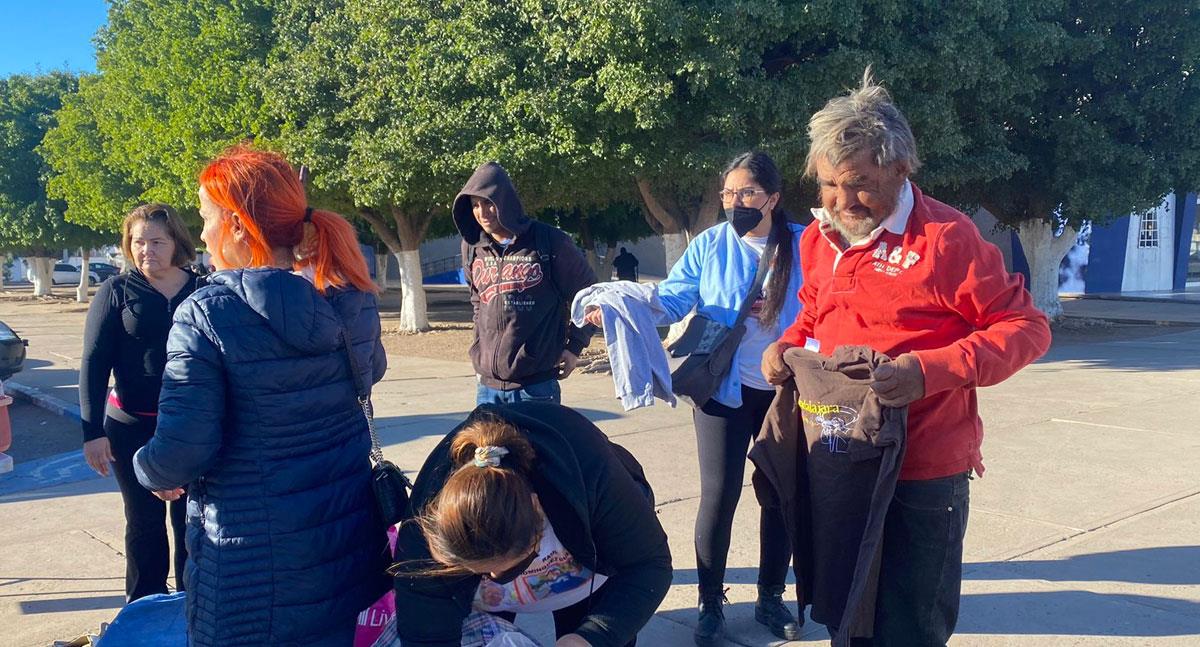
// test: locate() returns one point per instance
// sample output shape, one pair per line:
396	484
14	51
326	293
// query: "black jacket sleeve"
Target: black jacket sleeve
100	346
572	274
631	545
430	609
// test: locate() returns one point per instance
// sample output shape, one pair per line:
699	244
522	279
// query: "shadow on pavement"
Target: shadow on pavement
59	605
394	430
1173	565
1177	351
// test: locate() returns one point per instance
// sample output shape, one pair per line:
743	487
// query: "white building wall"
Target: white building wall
1150	249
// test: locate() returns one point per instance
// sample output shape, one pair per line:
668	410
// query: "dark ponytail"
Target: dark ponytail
764	171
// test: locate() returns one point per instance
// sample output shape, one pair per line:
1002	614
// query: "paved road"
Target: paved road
1084	530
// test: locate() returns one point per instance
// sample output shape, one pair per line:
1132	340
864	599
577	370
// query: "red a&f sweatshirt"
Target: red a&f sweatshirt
934	288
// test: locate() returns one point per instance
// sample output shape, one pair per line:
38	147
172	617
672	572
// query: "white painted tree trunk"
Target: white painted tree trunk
381	264
1044	251
81	292
413	314
43	275
674	244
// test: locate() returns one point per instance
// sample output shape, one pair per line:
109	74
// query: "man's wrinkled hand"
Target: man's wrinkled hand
899	382
566	364
774	369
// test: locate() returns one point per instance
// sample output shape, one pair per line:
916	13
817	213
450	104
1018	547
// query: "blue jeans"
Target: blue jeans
548	391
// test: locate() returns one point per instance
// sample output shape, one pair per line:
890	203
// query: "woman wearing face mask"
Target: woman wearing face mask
713	276
258	418
126	338
529	508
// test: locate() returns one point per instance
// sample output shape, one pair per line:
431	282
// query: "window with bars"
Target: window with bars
1148	230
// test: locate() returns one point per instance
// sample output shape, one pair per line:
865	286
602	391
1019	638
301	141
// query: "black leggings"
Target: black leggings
723	437
147	553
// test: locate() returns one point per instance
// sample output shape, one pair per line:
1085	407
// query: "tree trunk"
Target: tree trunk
414	315
404	241
381	266
674	244
1044	252
3	270
43	275
81	292
678	223
606	265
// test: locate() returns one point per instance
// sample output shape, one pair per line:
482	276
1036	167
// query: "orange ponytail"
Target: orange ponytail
266	195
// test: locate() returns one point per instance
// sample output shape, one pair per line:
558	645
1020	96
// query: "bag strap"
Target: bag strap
545	252
363	395
760	277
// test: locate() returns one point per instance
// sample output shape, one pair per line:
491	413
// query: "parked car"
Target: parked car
101	272
67	273
12	351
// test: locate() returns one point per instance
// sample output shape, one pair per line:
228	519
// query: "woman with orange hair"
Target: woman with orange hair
258	420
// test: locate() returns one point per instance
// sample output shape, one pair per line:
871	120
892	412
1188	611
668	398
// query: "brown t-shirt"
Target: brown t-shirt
836	485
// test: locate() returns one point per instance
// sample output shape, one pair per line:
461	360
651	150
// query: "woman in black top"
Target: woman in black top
126	337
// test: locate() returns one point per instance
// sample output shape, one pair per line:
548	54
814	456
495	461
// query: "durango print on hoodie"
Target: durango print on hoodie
520	291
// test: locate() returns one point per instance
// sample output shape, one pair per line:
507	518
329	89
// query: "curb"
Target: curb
1137	322
38	398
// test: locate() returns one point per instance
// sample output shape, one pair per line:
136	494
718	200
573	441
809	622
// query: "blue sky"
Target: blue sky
52	34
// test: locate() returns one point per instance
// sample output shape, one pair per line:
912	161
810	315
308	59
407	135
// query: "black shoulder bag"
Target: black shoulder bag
390	484
702	355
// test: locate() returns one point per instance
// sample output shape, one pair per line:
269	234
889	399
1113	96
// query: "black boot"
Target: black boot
710	629
771	611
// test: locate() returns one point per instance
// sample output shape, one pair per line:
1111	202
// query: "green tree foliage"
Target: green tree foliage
177	83
32	223
1113	126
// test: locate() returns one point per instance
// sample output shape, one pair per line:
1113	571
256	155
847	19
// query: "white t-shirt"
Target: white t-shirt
756	340
553	581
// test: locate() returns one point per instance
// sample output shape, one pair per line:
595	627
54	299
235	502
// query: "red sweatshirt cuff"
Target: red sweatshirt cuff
945	369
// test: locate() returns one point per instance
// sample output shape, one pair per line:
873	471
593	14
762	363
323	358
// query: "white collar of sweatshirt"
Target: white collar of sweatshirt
895	223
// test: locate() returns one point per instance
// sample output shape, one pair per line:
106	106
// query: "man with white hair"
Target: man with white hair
891	268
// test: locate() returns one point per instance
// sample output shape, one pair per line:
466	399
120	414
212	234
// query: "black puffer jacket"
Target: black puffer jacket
590	491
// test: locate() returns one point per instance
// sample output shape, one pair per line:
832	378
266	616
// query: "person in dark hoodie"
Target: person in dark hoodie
260	422
527	508
126	337
523	275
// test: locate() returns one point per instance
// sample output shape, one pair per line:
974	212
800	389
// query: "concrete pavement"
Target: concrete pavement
1084	530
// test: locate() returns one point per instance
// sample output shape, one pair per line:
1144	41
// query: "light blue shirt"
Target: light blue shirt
713	276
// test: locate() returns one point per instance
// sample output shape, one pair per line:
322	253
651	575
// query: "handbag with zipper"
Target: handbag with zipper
701	357
389	483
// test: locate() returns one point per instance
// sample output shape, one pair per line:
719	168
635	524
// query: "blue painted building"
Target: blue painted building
1147	252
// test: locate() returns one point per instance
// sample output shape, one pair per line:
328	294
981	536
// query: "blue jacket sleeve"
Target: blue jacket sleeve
191	407
680	291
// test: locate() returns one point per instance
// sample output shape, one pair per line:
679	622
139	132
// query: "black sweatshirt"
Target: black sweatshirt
522	292
593	493
125	336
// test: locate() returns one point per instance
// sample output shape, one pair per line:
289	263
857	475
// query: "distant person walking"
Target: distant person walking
626	265
259	419
125	337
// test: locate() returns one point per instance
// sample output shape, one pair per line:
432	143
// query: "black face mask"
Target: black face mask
743	219
512	573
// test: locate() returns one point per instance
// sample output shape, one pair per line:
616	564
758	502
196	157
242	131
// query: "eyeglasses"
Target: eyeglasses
728	195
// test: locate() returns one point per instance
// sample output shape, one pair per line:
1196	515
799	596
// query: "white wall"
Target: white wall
1151	268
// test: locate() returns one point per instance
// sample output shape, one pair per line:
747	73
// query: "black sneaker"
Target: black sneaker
710	629
772	612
